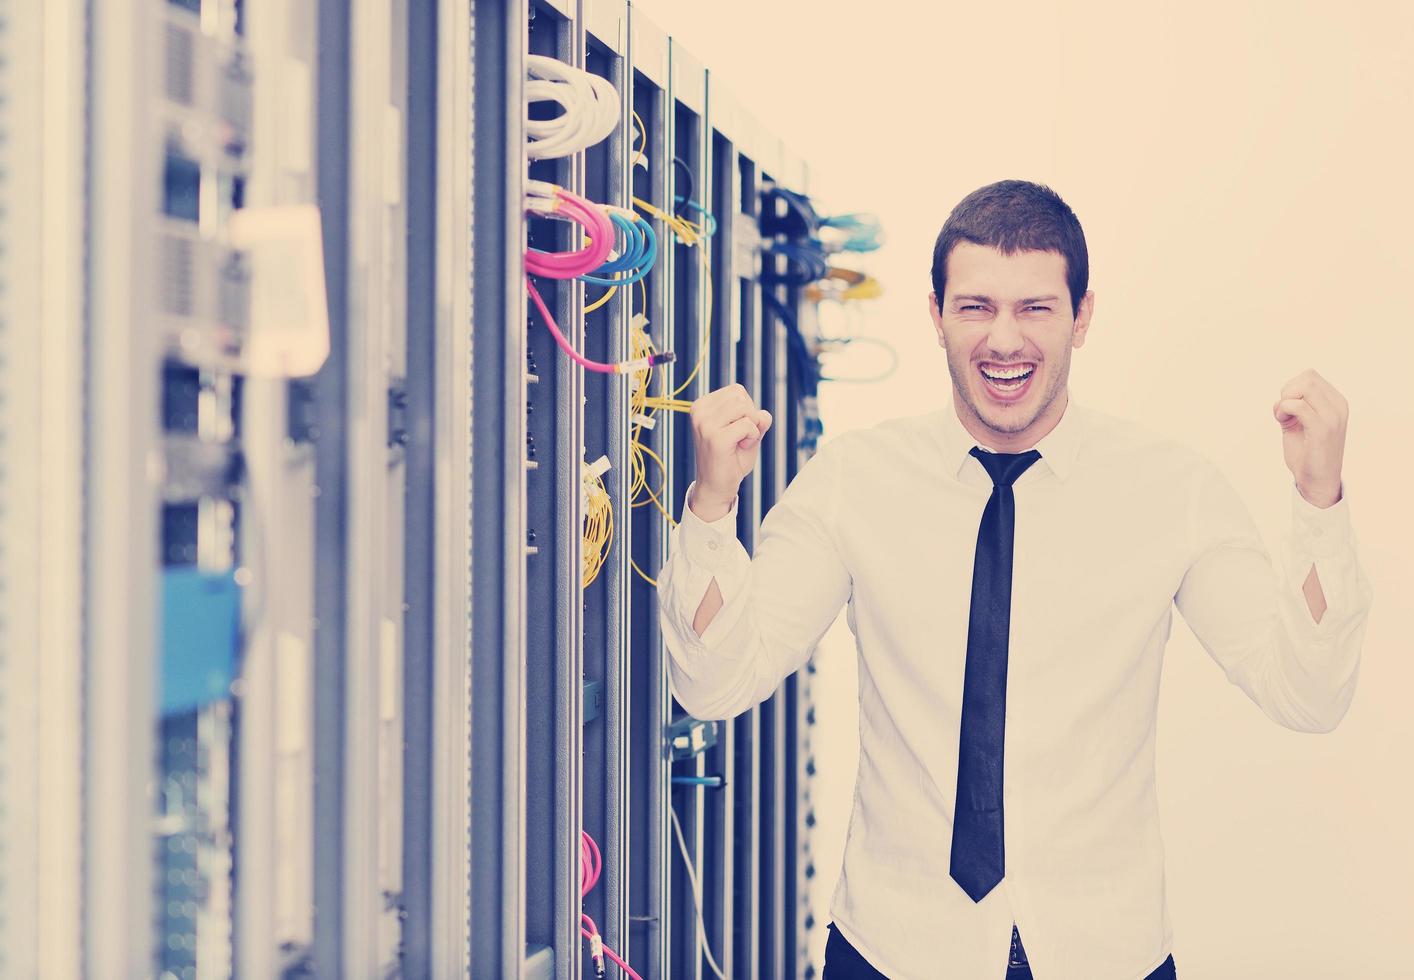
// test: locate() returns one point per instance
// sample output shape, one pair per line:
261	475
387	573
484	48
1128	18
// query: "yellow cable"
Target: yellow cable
641	573
598	527
601	300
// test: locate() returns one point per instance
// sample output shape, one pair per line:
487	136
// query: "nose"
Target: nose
1004	338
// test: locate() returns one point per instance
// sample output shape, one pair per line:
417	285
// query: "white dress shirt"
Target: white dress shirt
1115	525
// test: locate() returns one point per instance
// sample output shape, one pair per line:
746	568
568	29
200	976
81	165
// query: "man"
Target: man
1010	565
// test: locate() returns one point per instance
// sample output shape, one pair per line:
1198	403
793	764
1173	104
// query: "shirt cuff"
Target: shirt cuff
1320	532
706	544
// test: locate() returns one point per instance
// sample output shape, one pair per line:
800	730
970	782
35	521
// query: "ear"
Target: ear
1082	319
937	315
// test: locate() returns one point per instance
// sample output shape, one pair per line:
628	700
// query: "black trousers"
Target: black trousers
844	962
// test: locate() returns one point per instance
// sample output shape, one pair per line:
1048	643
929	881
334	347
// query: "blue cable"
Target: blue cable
864	232
712	220
639	253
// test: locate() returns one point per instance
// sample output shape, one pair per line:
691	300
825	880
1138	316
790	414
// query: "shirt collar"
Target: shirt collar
1058	447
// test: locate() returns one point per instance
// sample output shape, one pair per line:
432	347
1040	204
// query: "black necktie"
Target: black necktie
978	861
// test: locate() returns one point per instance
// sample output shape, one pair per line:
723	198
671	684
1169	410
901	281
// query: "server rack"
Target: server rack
280	700
573	678
222	622
42	443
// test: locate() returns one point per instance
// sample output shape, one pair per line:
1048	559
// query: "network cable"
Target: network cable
590	866
691	179
553	201
858	232
843	285
590	102
633	261
807	368
868	379
805	263
637	256
598	519
696	898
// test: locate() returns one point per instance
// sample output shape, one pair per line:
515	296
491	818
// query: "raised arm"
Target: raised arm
1288	633
736	625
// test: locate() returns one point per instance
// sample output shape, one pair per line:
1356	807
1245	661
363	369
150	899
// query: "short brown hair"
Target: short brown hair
1016	216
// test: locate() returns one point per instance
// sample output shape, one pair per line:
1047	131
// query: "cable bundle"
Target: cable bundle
598	519
805	263
552	201
590	866
843	285
860	232
639	252
787	213
590	103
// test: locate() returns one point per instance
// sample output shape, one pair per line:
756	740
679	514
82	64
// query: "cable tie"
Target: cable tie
599	467
647	421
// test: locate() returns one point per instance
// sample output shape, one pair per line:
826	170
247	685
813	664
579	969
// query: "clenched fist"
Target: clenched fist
727	428
1313	416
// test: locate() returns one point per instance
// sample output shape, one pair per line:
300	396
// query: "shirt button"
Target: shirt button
713	544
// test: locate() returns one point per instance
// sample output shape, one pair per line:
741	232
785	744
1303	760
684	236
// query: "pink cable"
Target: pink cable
567	265
619	367
590	865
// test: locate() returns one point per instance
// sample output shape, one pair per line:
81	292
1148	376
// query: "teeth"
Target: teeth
1007	374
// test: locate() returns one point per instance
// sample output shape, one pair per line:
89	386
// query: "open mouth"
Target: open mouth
1007	383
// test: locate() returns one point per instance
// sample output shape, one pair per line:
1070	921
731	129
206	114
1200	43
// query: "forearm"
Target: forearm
711	605
708	510
1288	632
1311	587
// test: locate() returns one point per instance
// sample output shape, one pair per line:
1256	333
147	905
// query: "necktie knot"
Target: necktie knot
1004	468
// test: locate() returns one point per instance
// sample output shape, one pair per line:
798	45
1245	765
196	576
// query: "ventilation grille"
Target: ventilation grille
180	69
178	276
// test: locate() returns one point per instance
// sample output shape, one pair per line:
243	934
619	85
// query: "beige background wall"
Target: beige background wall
1245	176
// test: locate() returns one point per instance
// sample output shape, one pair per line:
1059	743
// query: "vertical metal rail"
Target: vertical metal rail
737	208
569	593
120	594
555	651
332	470
430	433
497	884
371	640
274	898
688	111
775	752
719	871
798	715
721	277
449	101
661	164
607	601
42	198
649	764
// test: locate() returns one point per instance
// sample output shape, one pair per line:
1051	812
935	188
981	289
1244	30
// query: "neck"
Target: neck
1012	442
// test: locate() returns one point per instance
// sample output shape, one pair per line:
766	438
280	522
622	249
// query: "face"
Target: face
1004	313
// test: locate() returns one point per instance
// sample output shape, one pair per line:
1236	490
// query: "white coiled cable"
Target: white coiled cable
590	103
